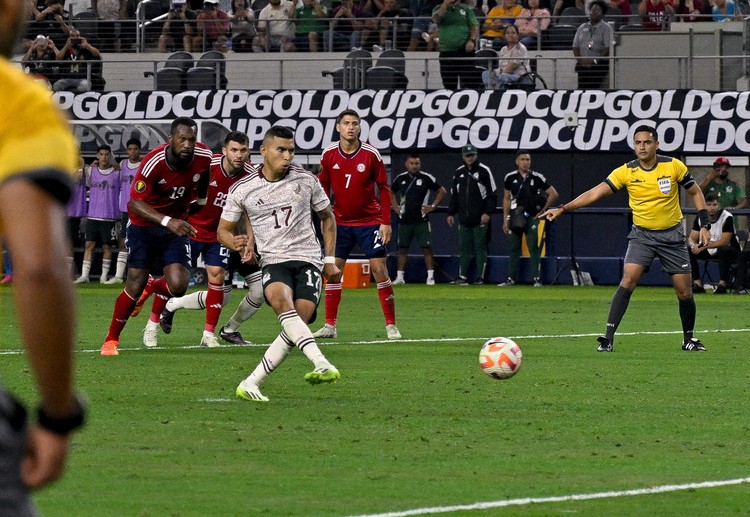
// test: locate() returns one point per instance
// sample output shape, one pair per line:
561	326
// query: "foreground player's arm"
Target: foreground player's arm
592	195
144	211
385	232
700	204
42	281
328	229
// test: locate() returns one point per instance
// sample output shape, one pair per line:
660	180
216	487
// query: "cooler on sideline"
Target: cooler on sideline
356	274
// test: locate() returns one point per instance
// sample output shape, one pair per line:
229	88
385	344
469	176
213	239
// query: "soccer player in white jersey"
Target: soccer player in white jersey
278	199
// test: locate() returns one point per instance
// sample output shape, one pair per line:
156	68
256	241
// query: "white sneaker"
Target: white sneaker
430	281
537	282
326	373
149	338
81	280
399	281
392	332
508	283
377	48
210	341
103	280
114	280
327	332
250	392
425	37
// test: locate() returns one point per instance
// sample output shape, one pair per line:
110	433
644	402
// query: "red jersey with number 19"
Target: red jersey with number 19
350	179
206	220
167	190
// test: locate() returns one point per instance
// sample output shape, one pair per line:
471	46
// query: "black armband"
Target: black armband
63	425
703	221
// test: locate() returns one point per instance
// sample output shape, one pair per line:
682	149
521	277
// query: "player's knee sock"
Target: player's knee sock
214	301
159	286
274	356
124	305
157	307
617	308
249	305
106	264
122	264
85	268
300	334
192	301
687	316
387	301
333	299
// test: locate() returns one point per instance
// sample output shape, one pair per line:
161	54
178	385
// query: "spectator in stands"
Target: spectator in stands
109	12
591	48
275	27
498	19
179	30
532	22
458	28
81	75
560	6
690	11
348	19
725	11
39	59
422	26
625	11
729	193
387	24
243	26
52	21
723	245
311	22
213	27
513	63
655	14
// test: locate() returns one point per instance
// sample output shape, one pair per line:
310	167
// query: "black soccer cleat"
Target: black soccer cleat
605	345
693	345
233	337
165	322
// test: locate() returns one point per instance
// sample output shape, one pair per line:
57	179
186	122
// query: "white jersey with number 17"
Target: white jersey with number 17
280	214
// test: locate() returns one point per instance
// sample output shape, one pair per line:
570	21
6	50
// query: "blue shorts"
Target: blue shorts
214	254
149	245
366	237
243	268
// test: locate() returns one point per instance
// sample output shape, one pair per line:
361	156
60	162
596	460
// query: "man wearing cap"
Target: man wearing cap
473	198
214	27
730	194
179	28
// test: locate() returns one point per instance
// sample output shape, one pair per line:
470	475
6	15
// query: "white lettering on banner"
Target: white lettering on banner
689	121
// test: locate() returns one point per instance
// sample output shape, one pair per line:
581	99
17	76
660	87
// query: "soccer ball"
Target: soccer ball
500	358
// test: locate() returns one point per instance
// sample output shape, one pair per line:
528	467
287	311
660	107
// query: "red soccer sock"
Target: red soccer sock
214	302
124	305
160	301
387	302
333	299
159	286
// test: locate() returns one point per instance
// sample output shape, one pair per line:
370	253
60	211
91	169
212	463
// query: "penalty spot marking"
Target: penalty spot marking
561	499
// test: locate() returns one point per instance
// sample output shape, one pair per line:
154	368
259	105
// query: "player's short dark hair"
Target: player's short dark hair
349	112
601	3
133	141
236	136
648	129
711	196
104	147
279	132
522	151
414	156
182	121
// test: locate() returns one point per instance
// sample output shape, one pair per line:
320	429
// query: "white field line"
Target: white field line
423	340
560	499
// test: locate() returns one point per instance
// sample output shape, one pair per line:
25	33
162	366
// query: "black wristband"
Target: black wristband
63	425
703	221
562	207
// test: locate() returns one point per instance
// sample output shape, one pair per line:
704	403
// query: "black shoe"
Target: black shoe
460	281
165	322
233	337
605	345
478	281
698	289
693	346
720	289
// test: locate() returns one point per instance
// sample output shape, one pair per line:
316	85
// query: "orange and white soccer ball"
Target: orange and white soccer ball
500	358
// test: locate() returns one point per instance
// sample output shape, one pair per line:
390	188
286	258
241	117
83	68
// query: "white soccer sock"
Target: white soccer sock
430	273
249	305
152	325
274	356
192	301
106	264
303	339
122	264
86	268
399	275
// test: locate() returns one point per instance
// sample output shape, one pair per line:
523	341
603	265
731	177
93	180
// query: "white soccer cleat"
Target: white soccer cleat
113	280
430	281
250	392
327	332
326	373
81	280
399	281
210	341
149	338
392	332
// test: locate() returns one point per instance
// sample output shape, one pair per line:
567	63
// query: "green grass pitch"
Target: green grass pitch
413	424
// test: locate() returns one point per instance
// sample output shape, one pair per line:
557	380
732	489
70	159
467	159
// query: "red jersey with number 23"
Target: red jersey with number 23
206	220
350	179
167	190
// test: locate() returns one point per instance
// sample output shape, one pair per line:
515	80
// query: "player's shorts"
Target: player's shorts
101	232
243	268
669	245
122	226
366	237
409	232
14	498
214	254
148	245
305	280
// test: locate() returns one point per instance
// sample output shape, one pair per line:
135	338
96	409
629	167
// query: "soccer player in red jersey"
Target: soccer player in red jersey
349	171
226	169
170	177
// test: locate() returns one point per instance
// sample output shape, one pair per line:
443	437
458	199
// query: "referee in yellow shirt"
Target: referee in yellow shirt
651	181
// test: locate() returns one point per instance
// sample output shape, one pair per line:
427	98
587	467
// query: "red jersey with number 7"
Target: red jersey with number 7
167	190
350	180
